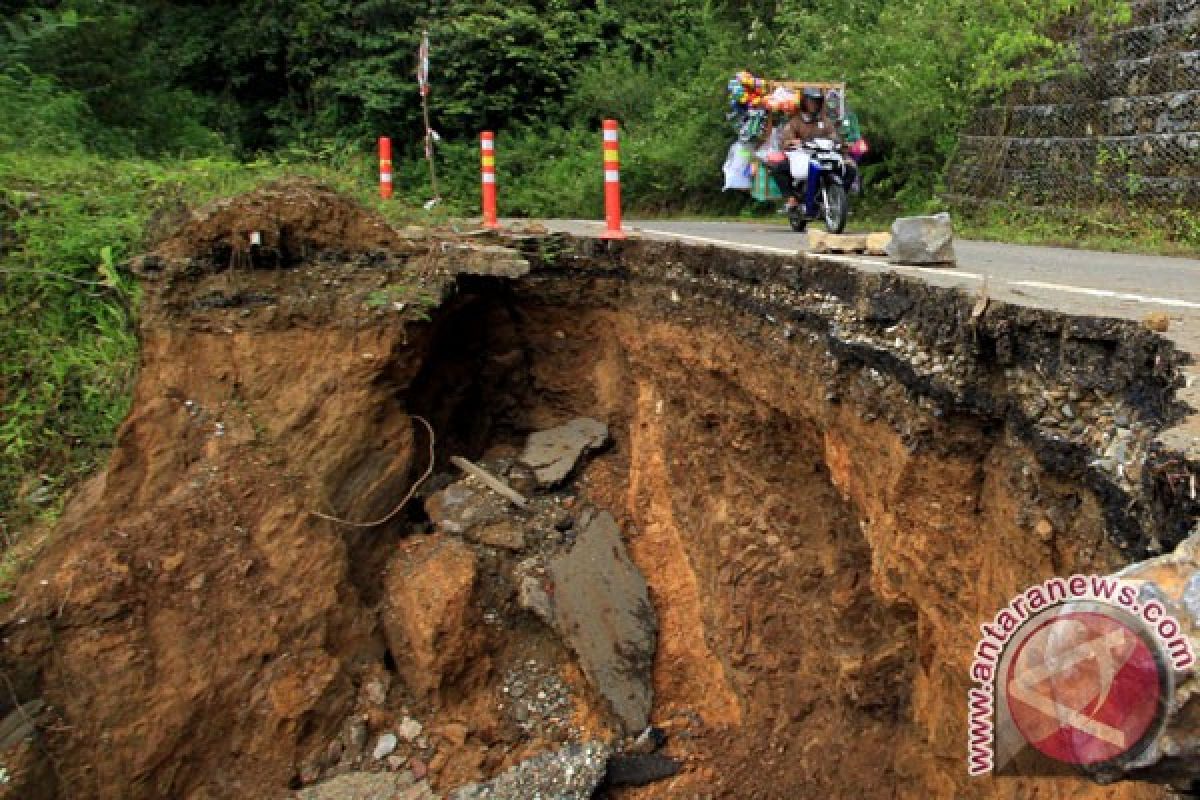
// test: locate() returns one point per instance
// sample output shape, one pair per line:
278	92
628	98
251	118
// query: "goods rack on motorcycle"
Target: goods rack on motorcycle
759	109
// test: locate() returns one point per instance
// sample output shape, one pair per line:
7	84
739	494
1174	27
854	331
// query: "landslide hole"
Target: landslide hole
476	382
758	567
774	647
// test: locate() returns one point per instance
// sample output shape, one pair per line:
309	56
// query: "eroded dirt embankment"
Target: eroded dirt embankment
828	480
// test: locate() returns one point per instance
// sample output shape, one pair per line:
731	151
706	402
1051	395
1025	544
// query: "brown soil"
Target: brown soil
819	564
295	219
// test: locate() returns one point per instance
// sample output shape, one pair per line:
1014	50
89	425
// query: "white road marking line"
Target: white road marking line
950	272
863	262
706	240
1136	298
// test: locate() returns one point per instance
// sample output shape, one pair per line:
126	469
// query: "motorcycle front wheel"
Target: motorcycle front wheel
837	207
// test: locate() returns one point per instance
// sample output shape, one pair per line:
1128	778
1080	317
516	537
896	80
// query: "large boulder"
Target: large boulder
571	773
602	610
430	615
922	240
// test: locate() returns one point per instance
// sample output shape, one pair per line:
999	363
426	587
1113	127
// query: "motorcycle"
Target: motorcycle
833	199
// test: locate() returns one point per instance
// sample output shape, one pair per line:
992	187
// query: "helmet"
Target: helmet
813	93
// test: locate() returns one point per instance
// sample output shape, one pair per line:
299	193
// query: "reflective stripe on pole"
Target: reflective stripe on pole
612	183
487	151
385	167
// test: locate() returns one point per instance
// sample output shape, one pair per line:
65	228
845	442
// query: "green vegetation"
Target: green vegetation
402	296
116	114
1165	232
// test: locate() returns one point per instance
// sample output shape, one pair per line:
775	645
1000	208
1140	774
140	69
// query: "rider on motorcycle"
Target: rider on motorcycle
809	122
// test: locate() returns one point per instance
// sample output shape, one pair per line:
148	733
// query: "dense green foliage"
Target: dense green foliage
154	78
111	110
67	345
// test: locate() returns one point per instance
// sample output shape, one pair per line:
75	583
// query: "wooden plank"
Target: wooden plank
877	243
491	481
822	242
874	244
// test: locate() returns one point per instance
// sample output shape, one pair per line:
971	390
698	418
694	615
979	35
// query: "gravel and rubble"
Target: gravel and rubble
553	553
537	700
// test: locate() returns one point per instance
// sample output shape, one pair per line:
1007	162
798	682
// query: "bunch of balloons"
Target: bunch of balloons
746	93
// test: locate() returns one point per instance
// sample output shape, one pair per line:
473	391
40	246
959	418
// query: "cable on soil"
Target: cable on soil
407	497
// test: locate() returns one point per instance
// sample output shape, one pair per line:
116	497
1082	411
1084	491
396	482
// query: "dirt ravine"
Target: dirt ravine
828	481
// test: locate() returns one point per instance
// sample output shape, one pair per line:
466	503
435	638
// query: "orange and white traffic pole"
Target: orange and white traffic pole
385	167
612	183
487	153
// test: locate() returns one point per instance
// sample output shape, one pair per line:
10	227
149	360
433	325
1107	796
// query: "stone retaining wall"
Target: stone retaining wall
1123	125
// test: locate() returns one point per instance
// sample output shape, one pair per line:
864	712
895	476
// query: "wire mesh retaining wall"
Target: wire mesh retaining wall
1173	112
1120	126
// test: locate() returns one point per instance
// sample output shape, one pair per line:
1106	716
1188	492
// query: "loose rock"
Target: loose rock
552	454
430	615
1157	322
922	240
531	595
461	507
384	747
409	729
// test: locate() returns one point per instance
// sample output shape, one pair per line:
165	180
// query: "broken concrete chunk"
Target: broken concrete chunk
460	507
922	240
552	454
572	773
495	260
602	610
531	594
430	617
822	242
